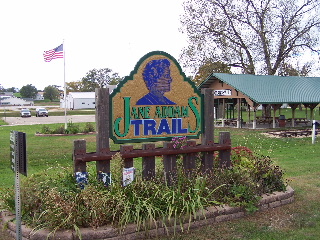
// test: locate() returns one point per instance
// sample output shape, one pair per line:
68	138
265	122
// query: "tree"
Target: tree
28	91
95	78
210	67
12	89
1	88
115	79
51	92
98	78
73	86
254	35
286	69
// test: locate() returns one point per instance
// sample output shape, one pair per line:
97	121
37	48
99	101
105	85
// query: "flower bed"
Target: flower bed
209	216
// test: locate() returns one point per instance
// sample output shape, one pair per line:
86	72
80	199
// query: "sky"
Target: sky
96	34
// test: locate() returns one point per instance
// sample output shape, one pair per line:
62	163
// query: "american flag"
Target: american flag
53	53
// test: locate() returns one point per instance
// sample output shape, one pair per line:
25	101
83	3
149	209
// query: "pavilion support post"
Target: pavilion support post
275	108
312	107
239	112
293	109
254	123
293	117
223	111
306	106
274	118
249	113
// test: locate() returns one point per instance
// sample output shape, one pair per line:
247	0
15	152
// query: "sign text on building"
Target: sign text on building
223	92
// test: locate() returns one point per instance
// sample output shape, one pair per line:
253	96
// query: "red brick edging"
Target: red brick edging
208	216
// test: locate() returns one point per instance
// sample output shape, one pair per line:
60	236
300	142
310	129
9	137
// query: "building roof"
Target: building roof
270	89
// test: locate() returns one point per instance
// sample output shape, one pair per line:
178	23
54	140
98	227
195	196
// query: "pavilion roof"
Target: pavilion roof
270	89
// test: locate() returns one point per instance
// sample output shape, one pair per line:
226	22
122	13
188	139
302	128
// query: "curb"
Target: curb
211	215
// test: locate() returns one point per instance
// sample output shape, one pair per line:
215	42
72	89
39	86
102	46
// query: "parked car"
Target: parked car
25	113
41	112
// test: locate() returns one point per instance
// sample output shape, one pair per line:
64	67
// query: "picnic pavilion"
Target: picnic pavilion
244	91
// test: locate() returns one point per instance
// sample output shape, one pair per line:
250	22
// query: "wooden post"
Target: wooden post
239	123
223	111
225	155
102	128
170	165
293	109
148	163
275	108
208	131
189	160
249	114
79	148
128	162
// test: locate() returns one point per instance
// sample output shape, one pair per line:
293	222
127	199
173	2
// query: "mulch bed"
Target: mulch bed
291	133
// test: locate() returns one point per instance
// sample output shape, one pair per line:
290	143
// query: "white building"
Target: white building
81	100
39	96
10	100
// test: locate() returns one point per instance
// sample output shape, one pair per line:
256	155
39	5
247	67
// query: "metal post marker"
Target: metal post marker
18	202
19	166
313	131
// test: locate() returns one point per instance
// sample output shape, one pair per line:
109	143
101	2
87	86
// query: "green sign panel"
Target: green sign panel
156	102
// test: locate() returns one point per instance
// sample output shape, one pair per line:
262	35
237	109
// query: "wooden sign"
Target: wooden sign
156	102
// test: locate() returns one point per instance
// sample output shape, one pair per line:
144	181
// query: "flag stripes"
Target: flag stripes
53	53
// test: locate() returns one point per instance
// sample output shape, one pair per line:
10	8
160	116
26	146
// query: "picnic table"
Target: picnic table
228	122
299	120
264	120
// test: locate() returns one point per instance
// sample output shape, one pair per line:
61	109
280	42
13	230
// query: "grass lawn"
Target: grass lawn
297	156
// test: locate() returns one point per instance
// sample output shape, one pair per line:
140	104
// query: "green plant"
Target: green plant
45	129
89	127
72	128
59	130
244	196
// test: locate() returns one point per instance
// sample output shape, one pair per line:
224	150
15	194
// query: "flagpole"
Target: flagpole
65	86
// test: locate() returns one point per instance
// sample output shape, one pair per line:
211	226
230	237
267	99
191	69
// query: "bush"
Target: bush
45	129
71	129
89	127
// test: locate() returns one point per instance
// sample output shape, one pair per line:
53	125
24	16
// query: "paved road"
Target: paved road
47	120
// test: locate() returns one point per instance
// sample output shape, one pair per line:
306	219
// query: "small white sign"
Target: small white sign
222	92
128	175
